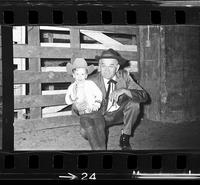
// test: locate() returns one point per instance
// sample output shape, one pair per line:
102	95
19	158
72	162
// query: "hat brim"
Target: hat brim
70	68
121	60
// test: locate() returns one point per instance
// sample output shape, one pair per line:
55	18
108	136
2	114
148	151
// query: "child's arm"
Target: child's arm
70	96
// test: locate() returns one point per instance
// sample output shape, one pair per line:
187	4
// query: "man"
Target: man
121	102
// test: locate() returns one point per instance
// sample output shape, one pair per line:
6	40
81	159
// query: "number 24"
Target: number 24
91	177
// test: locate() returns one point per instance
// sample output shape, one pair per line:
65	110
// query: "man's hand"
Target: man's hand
115	94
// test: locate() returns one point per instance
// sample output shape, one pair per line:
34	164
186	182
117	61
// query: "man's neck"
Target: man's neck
106	79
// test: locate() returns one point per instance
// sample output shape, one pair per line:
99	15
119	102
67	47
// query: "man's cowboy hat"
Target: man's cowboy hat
111	53
79	63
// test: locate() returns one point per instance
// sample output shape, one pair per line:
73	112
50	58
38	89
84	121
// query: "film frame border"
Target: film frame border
100	165
174	162
82	14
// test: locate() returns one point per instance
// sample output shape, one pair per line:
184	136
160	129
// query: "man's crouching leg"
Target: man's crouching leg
93	129
131	112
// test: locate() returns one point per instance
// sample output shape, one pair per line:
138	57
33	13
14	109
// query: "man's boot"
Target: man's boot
95	131
124	142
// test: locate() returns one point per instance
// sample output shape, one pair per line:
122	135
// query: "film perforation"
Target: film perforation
156	162
132	162
131	17
9	162
58	161
33	162
111	163
106	17
33	17
82	161
155	17
8	17
82	17
107	161
180	16
181	162
57	17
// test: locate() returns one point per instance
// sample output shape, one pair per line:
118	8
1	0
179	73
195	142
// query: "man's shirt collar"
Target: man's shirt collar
106	80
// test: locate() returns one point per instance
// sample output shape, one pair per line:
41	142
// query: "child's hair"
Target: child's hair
73	70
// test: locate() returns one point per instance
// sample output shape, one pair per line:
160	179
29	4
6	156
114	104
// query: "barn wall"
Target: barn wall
170	72
182	45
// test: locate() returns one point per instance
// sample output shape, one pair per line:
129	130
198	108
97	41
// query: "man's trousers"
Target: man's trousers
94	125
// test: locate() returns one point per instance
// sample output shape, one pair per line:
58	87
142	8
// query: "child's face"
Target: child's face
80	74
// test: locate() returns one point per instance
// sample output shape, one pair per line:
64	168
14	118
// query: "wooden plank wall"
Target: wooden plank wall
170	72
34	77
182	73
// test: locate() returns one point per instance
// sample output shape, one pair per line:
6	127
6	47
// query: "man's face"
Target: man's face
108	67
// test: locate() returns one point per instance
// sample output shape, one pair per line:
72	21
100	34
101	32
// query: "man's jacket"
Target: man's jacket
125	81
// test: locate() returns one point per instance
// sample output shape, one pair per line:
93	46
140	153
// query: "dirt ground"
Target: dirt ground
148	135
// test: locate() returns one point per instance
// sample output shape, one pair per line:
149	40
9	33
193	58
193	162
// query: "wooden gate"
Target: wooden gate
61	44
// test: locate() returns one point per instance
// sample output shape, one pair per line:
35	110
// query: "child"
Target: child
82	90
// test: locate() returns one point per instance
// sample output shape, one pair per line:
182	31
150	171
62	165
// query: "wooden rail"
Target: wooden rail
30	101
28	51
41	77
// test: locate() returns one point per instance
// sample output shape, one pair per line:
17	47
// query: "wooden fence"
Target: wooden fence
35	51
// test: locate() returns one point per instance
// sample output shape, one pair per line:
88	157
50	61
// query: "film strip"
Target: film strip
94	166
138	14
158	37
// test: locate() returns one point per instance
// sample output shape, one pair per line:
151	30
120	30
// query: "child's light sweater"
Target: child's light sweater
87	92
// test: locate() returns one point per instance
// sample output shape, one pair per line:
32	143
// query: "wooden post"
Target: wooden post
34	65
149	51
7	84
74	41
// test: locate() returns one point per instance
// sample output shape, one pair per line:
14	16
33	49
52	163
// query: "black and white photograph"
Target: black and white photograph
121	88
